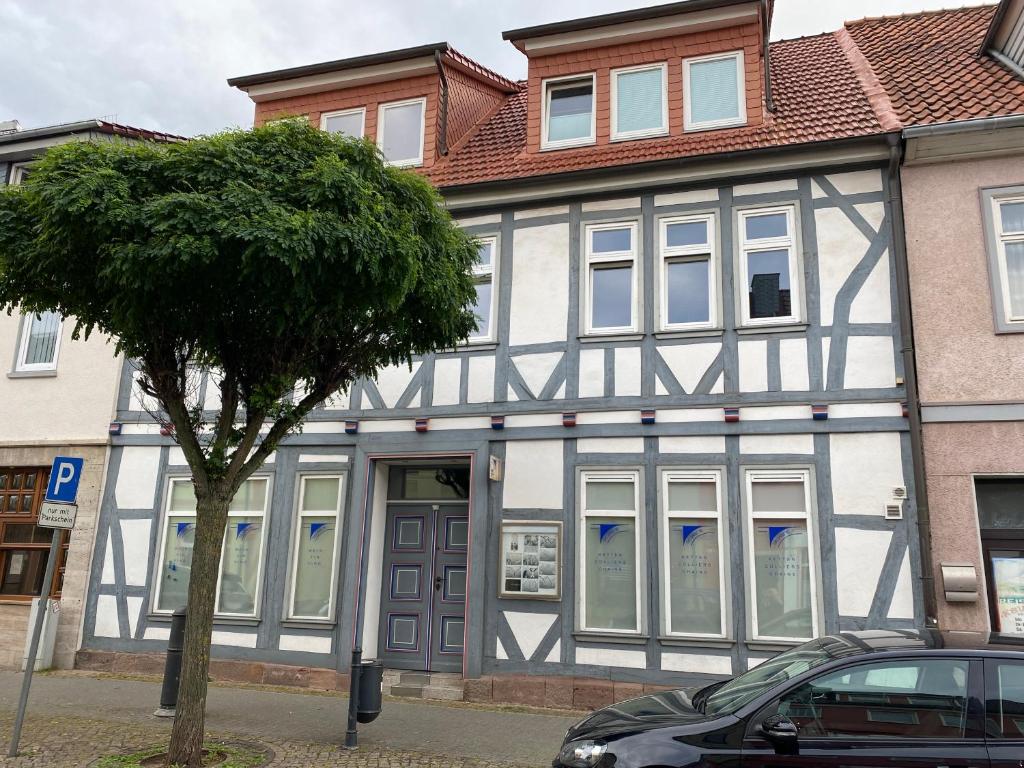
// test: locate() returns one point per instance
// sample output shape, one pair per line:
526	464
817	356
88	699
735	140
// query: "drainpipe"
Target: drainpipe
766	24
442	139
899	245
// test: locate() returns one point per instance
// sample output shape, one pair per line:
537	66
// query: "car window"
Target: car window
1006	700
913	698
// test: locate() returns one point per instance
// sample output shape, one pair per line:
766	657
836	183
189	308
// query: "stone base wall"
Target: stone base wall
13	630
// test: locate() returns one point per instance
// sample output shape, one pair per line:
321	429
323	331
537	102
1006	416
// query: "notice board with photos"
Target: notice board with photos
531	560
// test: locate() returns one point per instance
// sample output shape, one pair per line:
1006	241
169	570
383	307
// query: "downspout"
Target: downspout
766	23
899	246
442	139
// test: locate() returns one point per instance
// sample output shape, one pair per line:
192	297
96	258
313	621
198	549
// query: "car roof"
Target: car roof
862	642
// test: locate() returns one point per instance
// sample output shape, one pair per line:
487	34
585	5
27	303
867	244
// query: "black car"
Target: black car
856	699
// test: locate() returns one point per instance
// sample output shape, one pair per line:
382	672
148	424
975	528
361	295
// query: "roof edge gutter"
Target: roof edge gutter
50	130
899	244
978	125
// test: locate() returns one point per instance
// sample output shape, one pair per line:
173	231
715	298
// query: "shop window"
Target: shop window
24	546
1001	520
782	568
610	551
689	273
348	122
315	547
693	549
238	587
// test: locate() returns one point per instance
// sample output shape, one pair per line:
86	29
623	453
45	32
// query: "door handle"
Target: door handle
437	583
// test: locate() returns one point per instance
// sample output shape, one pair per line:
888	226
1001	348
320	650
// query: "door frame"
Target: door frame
371	547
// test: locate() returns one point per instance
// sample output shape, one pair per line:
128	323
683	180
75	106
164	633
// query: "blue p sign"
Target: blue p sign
64	477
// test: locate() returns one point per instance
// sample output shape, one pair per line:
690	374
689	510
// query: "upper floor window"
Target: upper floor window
768	263
348	122
568	119
639	103
689	282
40	342
713	92
400	131
611	278
1005	218
19	173
485	278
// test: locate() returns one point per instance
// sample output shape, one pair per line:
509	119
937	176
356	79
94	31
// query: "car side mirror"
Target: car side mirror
781	733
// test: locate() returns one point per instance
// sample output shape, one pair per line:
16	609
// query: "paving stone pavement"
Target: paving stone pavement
73	720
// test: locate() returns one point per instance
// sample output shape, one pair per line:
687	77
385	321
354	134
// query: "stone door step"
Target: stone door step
444	686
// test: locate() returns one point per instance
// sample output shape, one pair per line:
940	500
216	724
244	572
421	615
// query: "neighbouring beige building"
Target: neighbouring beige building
57	396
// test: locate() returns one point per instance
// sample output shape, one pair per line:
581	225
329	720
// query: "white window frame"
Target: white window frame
753	475
689	253
669	476
1000	239
17	173
787	243
613	258
382	111
161	550
488	273
661	130
298	515
610	476
708	125
20	366
553	84
361	111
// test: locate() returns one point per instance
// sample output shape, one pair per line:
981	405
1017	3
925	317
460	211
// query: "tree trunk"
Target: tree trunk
189	721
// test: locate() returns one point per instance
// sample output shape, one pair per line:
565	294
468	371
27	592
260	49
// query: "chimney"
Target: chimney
9	126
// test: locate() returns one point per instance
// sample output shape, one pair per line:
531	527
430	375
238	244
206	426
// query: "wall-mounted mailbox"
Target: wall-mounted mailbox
960	582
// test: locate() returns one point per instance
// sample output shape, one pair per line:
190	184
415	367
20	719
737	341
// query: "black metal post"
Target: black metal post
351	736
172	665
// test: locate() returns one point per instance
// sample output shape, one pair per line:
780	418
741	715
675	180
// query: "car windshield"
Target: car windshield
747	687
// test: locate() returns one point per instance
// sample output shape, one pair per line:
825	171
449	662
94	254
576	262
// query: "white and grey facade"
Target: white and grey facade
630	490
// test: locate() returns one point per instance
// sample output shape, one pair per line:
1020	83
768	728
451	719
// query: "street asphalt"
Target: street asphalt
456	730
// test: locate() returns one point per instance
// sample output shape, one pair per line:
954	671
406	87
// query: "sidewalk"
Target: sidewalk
75	718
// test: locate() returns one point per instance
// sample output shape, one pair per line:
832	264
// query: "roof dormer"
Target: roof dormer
415	103
663	71
1005	38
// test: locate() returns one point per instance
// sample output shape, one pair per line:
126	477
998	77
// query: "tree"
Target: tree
290	261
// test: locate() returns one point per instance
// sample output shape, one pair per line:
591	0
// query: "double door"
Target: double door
423	591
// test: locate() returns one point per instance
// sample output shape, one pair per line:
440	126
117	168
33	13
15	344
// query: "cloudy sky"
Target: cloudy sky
162	63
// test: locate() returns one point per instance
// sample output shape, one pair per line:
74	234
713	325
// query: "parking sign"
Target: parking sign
64	477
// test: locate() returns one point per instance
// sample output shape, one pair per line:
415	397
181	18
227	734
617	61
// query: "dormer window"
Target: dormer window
639	103
400	131
713	92
348	122
568	112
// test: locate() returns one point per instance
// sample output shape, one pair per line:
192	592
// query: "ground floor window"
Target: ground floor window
238	584
781	575
24	546
314	558
609	516
1001	519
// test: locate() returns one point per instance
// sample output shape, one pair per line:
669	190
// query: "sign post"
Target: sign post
58	513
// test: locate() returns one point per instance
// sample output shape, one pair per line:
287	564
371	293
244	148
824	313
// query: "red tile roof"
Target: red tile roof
928	64
873	76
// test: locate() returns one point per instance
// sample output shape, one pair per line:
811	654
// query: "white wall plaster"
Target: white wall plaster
693	196
627	372
869	363
793	365
134	611
323	458
136	478
533	474
473	221
447	371
500	653
856	182
548	210
305	643
107	577
157	633
237	639
859	559
106	617
689	362
760	188
873	303
555	656
529	629
802	444
536	369
392	382
866	467
591	373
692	444
705	663
842	246
864	410
902	605
481	379
610	445
620	204
753	366
775	412
609	657
540	285
135	539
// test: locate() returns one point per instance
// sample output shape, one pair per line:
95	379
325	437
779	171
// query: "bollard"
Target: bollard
351	734
172	666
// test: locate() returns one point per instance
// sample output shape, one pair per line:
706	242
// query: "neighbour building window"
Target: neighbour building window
689	273
713	92
610	543
484	276
24	546
782	571
19	173
315	549
400	131
768	263
1006	243
693	548
568	112
639	102
238	586
1002	543
40	342
349	122
611	278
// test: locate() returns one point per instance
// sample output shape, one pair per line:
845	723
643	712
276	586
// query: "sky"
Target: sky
162	64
